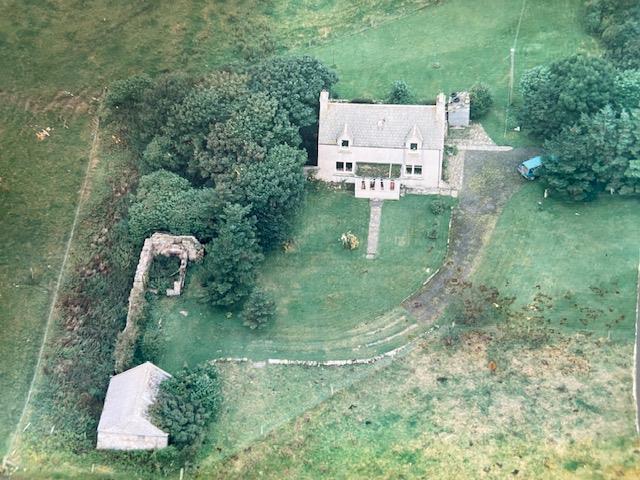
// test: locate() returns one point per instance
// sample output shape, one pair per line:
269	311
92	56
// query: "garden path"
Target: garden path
374	227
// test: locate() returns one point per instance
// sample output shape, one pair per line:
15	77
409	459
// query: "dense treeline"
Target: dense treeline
586	109
221	159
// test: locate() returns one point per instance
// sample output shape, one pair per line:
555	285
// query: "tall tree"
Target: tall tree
295	82
274	188
400	93
556	96
232	257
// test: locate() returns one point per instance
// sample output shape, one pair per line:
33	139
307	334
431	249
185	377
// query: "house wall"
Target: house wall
116	441
430	160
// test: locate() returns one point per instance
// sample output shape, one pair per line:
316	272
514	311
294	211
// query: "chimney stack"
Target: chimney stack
324	101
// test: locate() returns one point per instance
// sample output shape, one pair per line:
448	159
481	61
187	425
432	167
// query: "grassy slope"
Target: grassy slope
561	411
38	191
467	41
327	296
583	255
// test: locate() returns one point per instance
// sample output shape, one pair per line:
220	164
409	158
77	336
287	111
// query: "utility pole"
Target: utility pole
511	73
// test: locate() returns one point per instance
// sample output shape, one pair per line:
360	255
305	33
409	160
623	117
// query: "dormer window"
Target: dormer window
345	139
413	146
344	143
413	140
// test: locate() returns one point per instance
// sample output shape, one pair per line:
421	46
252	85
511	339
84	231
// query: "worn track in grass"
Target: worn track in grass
490	178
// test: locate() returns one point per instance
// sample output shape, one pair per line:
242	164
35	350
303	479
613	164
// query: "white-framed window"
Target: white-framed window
413	170
344	143
344	166
413	146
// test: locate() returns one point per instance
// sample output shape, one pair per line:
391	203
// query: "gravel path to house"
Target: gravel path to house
489	180
374	227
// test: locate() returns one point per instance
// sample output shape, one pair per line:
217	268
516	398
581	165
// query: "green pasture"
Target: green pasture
449	46
39	183
564	411
583	255
332	303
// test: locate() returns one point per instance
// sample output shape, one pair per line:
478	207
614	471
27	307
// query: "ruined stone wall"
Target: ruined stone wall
187	248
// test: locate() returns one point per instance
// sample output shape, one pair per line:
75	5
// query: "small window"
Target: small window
392	185
344	144
381	185
372	184
340	166
408	169
349	167
417	170
413	146
364	185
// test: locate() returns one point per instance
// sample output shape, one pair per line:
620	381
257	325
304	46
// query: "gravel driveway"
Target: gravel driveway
490	178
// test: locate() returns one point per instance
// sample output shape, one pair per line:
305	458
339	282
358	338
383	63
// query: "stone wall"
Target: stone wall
187	248
119	441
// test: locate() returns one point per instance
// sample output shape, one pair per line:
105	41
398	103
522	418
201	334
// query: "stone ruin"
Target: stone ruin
185	247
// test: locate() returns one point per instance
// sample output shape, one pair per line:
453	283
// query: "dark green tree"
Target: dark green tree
596	154
274	188
400	93
255	126
187	403
295	82
481	100
232	257
556	96
627	86
258	310
166	202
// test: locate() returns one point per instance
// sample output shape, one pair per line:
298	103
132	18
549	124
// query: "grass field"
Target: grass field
583	255
38	190
332	303
449	46
561	411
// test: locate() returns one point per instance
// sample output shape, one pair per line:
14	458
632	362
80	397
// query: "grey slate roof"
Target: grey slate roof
380	125
128	397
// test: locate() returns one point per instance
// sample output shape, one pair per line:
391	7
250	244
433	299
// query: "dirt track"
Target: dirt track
490	178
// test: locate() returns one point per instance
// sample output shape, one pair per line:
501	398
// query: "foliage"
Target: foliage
258	310
617	23
627	85
400	93
295	83
163	272
481	100
437	207
166	202
274	189
187	403
349	240
255	125
555	96
604	157
232	257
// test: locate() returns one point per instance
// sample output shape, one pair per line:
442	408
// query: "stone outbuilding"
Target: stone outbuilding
124	423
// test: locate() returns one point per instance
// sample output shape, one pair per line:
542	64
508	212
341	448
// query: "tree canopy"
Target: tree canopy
555	96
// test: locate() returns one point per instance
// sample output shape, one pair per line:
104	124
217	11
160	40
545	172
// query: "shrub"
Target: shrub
433	234
258	309
400	93
437	207
349	241
481	100
186	404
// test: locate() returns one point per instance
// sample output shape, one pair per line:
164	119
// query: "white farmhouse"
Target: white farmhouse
380	148
124	423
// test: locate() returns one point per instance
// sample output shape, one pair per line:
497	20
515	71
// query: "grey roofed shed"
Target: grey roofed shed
124	423
381	125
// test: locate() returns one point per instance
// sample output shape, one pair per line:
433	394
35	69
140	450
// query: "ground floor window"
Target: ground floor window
344	166
413	169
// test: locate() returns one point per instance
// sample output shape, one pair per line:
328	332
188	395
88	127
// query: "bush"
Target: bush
437	207
400	93
481	100
258	309
349	241
186	404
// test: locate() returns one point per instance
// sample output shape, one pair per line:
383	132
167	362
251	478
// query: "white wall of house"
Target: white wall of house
429	160
121	441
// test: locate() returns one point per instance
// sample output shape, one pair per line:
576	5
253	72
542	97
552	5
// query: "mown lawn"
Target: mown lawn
39	183
330	300
583	255
449	46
